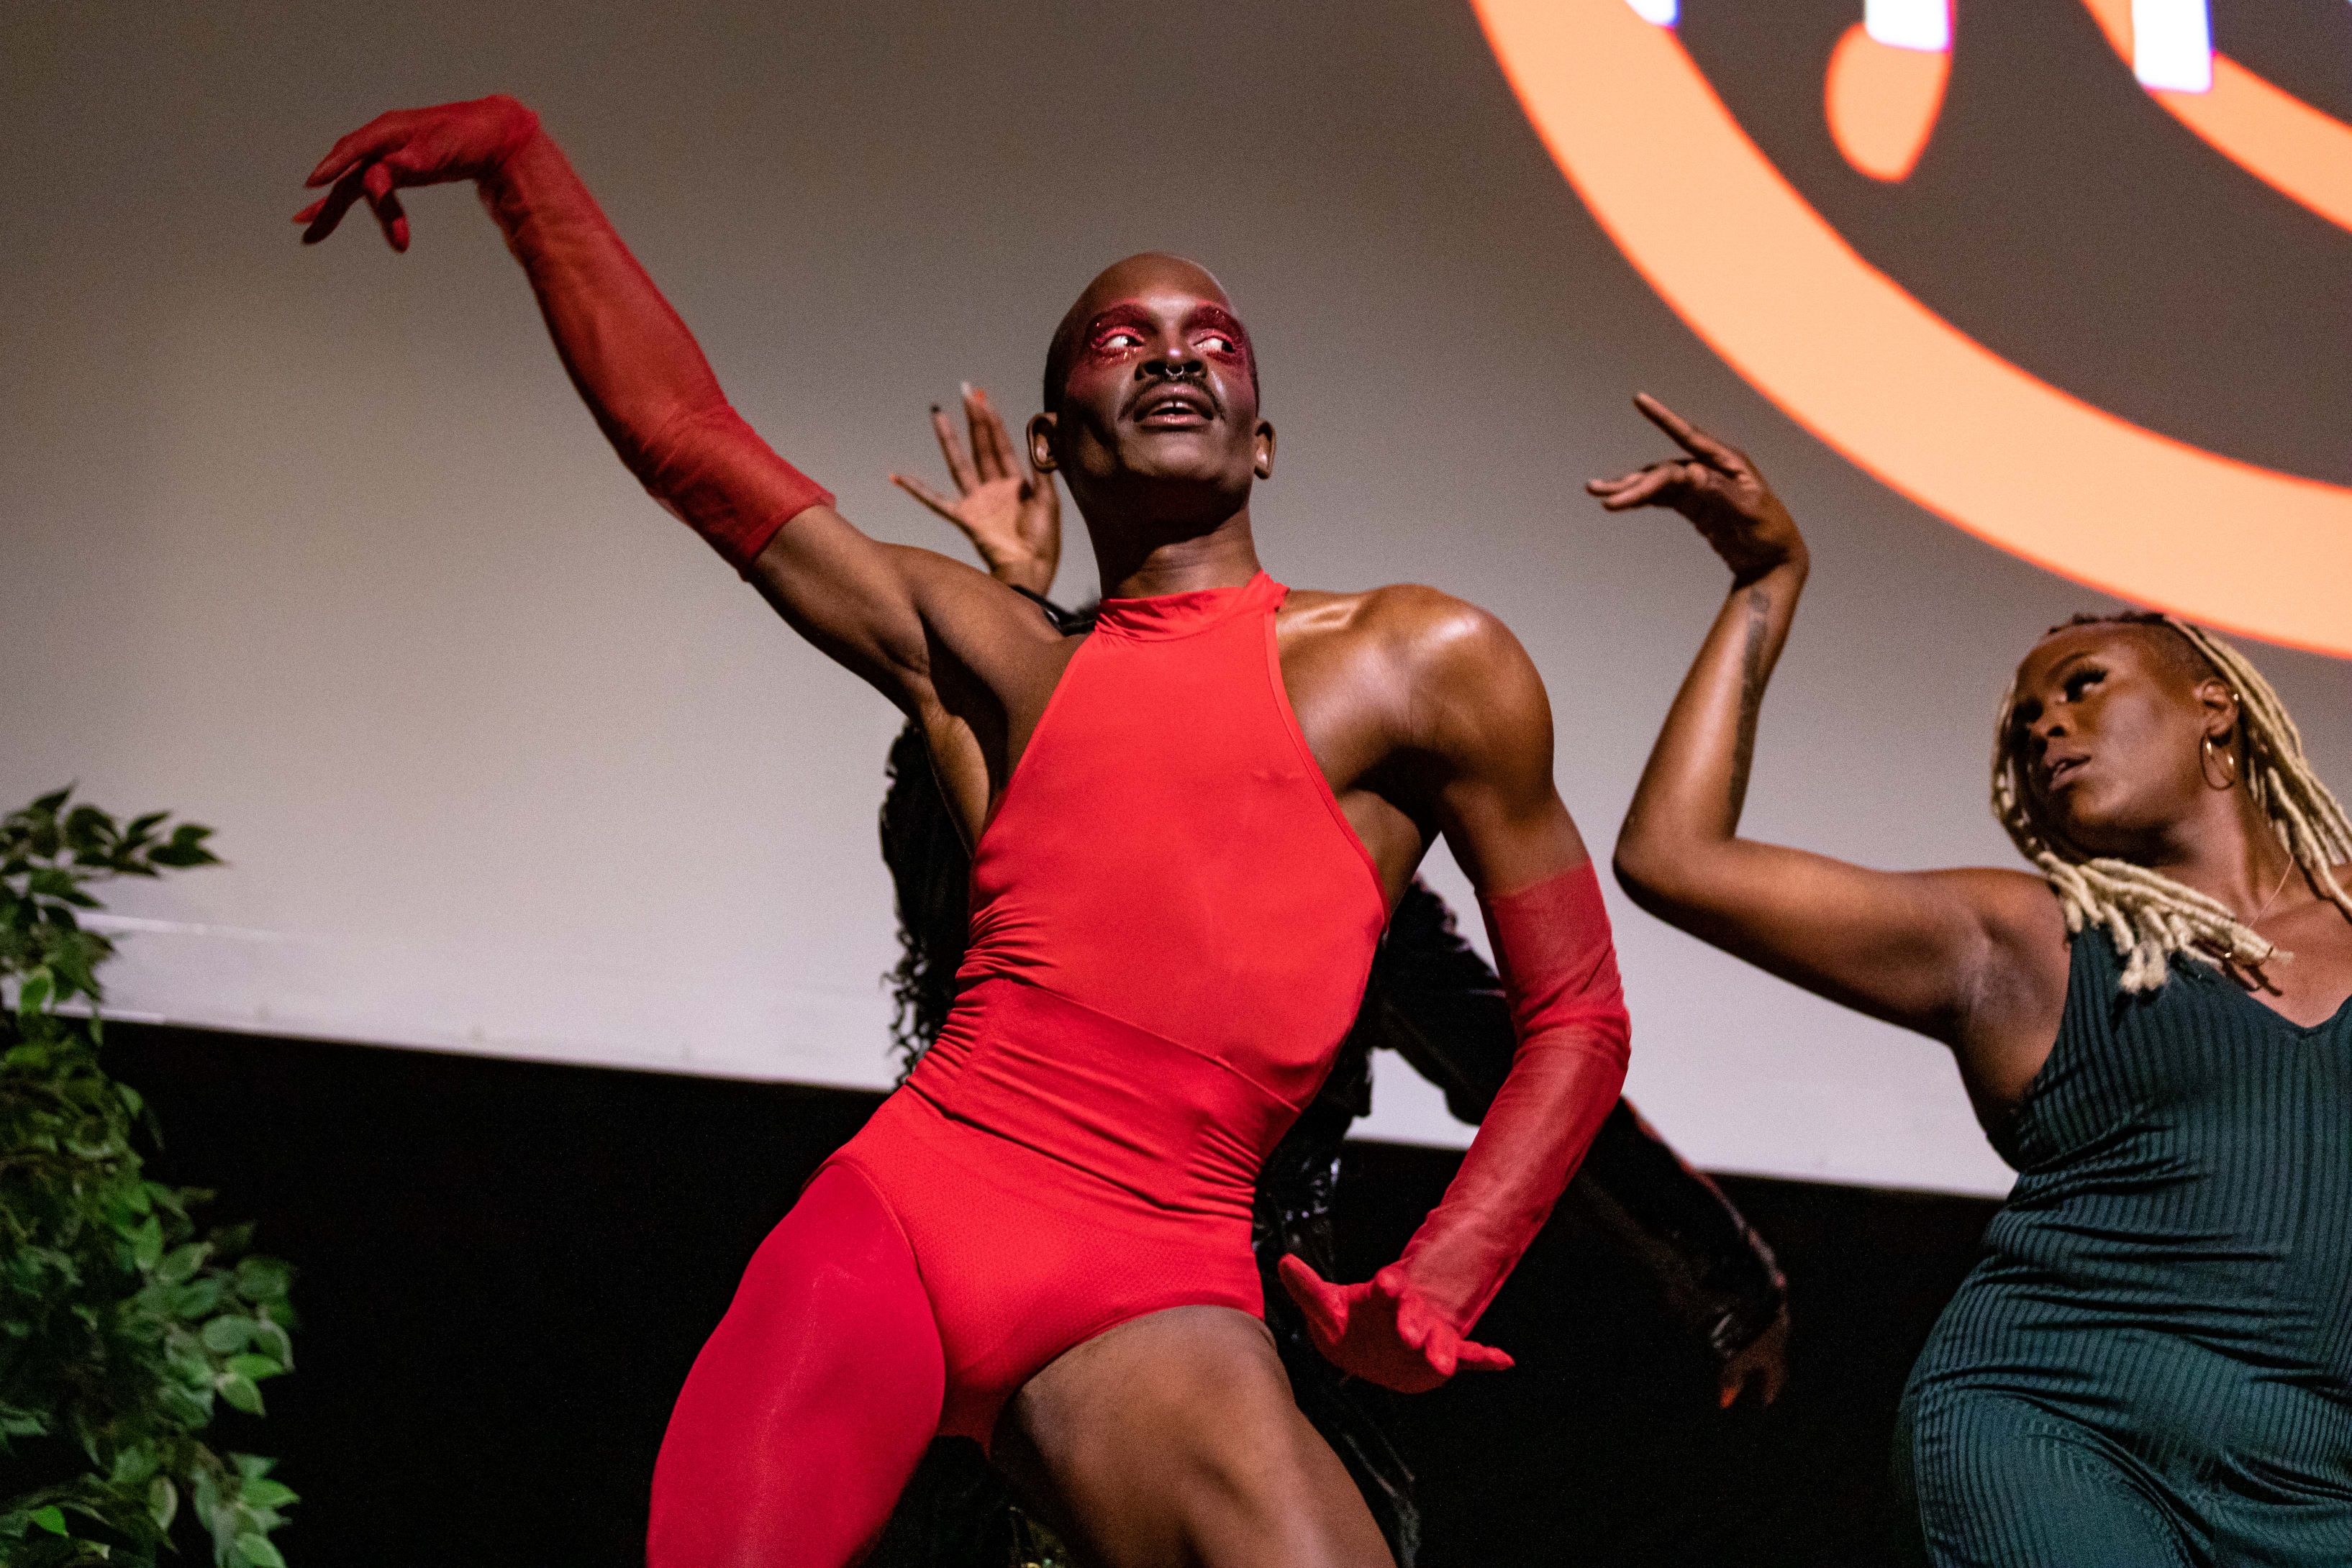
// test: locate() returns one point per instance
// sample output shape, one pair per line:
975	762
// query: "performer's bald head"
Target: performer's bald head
1144	275
1151	415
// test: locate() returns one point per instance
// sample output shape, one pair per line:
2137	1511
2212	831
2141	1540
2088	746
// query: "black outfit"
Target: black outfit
1435	1002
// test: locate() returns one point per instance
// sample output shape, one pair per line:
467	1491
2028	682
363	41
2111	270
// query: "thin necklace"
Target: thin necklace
2265	909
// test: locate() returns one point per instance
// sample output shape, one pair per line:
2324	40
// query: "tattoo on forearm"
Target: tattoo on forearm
1751	694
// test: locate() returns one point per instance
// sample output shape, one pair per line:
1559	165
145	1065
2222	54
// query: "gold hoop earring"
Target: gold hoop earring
2206	754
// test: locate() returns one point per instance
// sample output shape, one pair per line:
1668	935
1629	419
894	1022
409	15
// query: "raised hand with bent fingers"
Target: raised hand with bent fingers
1717	488
1010	512
469	141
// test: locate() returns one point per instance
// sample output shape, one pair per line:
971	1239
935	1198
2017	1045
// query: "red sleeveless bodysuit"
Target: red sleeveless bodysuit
1172	926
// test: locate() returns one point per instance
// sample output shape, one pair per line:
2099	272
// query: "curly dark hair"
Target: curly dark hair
931	874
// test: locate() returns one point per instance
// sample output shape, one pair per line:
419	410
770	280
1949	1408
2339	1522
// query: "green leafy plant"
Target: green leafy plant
122	1325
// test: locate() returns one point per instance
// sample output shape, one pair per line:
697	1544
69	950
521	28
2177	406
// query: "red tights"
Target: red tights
812	1401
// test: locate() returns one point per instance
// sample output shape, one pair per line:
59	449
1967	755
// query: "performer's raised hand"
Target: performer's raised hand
1010	512
1382	1331
1717	488
448	141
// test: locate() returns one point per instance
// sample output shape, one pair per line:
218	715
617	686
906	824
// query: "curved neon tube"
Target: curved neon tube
2299	151
1632	123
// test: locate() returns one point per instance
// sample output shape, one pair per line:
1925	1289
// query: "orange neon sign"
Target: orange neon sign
1847	351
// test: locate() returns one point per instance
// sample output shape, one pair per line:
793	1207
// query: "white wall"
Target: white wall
315	546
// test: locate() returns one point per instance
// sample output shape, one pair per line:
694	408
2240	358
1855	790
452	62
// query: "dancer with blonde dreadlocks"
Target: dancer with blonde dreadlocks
2151	1364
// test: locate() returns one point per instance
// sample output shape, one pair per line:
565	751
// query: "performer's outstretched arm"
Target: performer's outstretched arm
1478	734
651	393
1939	951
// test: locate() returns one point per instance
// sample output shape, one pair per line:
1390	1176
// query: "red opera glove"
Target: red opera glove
470	140
634	360
1383	1331
1405	1328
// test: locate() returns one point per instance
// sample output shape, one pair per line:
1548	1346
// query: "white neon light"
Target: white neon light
1909	23
1663	12
2172	45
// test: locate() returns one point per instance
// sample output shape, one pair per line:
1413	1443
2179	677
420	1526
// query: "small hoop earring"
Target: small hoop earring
2206	754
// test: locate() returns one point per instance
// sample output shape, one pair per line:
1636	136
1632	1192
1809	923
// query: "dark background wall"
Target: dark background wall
505	1269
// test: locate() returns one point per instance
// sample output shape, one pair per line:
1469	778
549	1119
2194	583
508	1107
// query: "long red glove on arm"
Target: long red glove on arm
1405	1327
637	367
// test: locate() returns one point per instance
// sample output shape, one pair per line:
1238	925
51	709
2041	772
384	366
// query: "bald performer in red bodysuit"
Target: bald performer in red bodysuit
1187	828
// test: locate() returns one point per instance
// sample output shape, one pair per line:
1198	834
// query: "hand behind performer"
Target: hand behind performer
1760	1368
1010	512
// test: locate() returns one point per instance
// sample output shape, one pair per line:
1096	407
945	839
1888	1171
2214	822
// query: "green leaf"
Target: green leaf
147	1246
262	1278
252	1466
191	1407
49	882
262	1493
16	1422
255	1366
33	995
86	826
186	848
47	806
182	1263
50	1519
257	1551
162	1502
238	1390
228	1334
198	1298
274	1341
132	1466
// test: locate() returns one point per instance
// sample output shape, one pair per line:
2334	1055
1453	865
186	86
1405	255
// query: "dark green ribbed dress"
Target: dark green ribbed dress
2152	1363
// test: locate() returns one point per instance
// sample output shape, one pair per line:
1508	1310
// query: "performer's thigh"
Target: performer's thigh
811	1403
1998	1482
1173	1439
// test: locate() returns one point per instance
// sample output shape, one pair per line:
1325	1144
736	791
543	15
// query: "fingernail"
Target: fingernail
967	388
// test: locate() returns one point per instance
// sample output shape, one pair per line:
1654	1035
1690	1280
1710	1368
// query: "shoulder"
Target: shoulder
1454	679
1422	632
2018	908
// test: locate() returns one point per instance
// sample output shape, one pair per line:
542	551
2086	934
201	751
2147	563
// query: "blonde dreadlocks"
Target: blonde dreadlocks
2148	916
